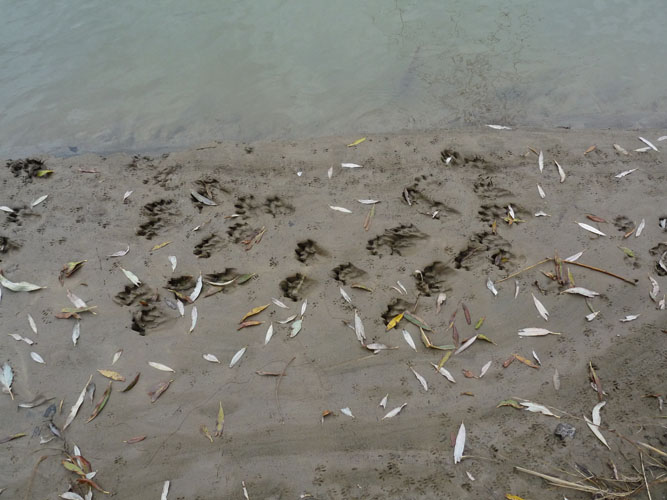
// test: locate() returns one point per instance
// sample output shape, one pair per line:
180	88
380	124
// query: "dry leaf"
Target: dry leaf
116	357
358	141
38	201
394	412
340	209
102	403
440	301
442	371
561	172
131	276
485	369
345	296
649	144
165	490
36	357
526	361
535	332
253	312
76	301
466	344
112	375
556	380
347	411
211	357
581	291
460	443
193	316
383	403
537	408
640	228
540	163
220	421
120	253
76	332
304	305
7	378
408	339
421	379
173	261
269	334
296	328
350	165
541	192
630	317
624	173
160	366
491	286
541	309
279	303
591	229
202	199
237	357
18	287
158	389
359	328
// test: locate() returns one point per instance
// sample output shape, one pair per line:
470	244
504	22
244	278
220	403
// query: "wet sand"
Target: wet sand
274	439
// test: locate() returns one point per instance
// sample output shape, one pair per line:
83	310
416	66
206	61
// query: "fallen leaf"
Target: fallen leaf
193	317
7	378
485	369
279	303
211	357
540	308
491	286
340	209
394	412
347	411
296	328
538	408
269	334
460	443
158	389
368	202
173	261
442	371
237	356
202	199
590	229
135	440
345	296
76	301
556	380
509	402
102	403
439	301
36	357
75	408
417	321
499	127
383	403
581	291
535	332
120	253
12	437
358	141
131	276
526	361
253	312
640	228
624	173
649	144
466	344
204	430
540	162
160	366
350	165
590	150
561	172
630	317
541	191
112	375
421	379
38	201
18	287
408	339
116	356
359	328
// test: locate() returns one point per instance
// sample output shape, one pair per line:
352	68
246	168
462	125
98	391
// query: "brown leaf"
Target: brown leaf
596	381
595	218
134	440
508	362
246	324
158	389
92	484
133	383
466	312
469	374
455	335
590	150
100	406
526	361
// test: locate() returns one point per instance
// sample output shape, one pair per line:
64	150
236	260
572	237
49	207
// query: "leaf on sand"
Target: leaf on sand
383	403
195	293
347	411
640	228
70	495
160	366
591	229
116	356
655	289
577	290
304	305
439	301
102	403
120	253
173	261
624	173
541	192
630	317
535	332
350	165
358	141
394	321
204	430
485	369
538	408
368	202
202	199
561	172
287	320
193	316
540	161
77	405
345	296
160	245
296	328
247	324
131	384
340	209
594	426
131	276
220	421
279	303
112	375
526	361
460	444
269	334
18	287
395	411
466	344
556	380
592	316
127	195
510	402
541	309
32	324
38	201
417	321
165	490
134	440
359	328
36	357
7	378
76	301
491	286
253	312
648	143
158	389
499	127
211	357
421	379
12	437
442	371
330	172
408	339
237	356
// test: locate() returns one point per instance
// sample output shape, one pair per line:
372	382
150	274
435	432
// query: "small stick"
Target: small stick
648	491
601	271
525	269
280	377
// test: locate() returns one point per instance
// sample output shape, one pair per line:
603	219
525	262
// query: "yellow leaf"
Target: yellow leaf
512	497
204	430
161	245
444	359
253	311
44	173
358	141
112	375
394	321
220	422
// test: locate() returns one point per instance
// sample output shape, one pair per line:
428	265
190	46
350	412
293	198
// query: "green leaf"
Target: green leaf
416	320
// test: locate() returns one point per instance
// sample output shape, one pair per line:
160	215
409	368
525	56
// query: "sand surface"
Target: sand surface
274	439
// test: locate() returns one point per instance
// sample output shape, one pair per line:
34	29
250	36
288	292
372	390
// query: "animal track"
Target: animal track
483	246
156	212
458	159
308	250
181	283
394	308
433	277
276	206
244	205
27	167
418	196
131	294
397	239
659	251
489	213
293	286
163	177
146	317
485	188
347	272
623	224
208	246
6	245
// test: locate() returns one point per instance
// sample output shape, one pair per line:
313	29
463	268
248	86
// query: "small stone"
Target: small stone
565	431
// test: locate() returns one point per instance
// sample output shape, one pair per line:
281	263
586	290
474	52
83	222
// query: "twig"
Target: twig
525	269
648	491
280	377
32	476
601	271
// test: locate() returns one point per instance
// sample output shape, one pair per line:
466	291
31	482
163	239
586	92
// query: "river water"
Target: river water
134	75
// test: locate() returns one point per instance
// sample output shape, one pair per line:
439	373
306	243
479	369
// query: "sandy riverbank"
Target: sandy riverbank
274	439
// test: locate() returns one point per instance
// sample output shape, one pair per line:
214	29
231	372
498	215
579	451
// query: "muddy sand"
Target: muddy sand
441	227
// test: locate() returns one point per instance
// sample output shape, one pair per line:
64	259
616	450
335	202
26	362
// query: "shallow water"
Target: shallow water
106	76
